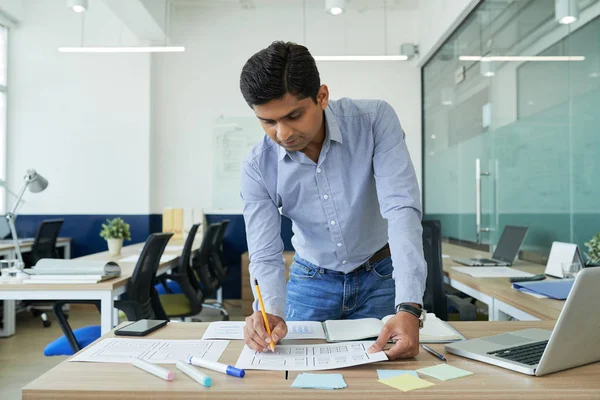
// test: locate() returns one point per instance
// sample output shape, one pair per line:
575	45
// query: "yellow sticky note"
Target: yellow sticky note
406	382
444	372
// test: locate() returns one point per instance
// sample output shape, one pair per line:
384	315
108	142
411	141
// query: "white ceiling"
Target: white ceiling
360	5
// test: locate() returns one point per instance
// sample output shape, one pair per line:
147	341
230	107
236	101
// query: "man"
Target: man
338	170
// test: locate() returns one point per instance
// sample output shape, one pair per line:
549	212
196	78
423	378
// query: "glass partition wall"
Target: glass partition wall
511	130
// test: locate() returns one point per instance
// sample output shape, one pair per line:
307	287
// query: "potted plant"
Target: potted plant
115	231
593	254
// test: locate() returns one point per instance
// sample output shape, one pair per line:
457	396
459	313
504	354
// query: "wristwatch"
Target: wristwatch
416	311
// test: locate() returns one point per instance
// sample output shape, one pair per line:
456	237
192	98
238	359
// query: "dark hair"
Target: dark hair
281	68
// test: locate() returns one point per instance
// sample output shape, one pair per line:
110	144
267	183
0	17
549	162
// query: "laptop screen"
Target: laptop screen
510	243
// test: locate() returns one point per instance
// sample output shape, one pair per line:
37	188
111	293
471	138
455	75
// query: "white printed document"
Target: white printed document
310	357
234	330
117	350
492	272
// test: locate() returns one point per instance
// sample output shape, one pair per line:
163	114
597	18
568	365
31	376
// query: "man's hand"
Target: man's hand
404	329
255	332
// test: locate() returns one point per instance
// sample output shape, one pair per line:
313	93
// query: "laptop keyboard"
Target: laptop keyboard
529	354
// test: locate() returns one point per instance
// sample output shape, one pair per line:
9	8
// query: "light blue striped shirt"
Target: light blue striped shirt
360	194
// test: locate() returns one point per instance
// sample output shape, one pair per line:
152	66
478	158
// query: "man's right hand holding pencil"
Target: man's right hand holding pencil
255	332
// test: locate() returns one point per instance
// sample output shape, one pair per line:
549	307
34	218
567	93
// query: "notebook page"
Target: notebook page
352	329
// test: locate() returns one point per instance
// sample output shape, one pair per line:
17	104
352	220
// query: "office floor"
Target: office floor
21	355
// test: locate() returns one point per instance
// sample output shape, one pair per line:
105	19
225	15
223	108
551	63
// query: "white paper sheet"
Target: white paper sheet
117	350
165	258
234	330
445	256
492	272
310	357
174	247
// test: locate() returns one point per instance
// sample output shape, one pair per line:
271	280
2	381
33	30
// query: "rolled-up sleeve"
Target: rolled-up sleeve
399	200
265	246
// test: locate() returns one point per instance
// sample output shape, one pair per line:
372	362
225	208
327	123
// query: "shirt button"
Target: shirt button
344	262
318	170
339	245
332	222
325	196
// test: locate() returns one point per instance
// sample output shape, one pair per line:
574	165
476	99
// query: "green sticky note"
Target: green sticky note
444	372
405	382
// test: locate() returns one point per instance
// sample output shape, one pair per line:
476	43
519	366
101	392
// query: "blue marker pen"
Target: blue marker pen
217	366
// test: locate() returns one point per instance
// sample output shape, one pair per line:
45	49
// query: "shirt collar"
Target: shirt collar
332	132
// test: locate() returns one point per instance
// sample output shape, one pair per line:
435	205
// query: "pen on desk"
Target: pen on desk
217	366
435	353
193	373
264	314
154	369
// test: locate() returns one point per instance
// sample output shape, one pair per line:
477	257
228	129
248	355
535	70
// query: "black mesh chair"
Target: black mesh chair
44	246
218	263
189	302
202	264
141	301
435	299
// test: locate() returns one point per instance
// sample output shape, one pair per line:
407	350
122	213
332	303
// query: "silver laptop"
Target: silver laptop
506	252
572	343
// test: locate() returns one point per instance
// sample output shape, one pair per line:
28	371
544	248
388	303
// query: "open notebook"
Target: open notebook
434	330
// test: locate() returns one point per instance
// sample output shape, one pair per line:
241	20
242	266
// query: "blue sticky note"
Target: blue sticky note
319	381
390	373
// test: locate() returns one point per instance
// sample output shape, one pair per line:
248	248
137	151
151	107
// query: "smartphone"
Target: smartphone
141	327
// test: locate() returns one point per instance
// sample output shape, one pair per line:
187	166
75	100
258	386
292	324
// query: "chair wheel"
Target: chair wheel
47	324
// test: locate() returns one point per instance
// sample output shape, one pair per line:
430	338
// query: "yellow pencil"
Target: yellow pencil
264	313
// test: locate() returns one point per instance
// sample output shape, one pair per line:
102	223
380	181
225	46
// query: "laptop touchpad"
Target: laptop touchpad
507	340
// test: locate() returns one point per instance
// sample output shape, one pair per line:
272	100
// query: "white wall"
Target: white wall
190	89
438	18
82	121
12	9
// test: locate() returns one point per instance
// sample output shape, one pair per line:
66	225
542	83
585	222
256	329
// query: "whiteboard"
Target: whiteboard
233	138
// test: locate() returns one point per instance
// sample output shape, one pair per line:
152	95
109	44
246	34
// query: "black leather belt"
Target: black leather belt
382	253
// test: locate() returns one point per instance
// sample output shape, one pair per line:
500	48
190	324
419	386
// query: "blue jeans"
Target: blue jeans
319	294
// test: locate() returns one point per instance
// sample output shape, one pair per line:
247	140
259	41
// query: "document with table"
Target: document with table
117	350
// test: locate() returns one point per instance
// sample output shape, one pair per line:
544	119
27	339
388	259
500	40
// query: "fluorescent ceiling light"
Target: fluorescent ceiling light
361	58
335	7
134	49
78	6
566	11
521	58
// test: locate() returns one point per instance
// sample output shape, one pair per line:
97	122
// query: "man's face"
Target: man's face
293	123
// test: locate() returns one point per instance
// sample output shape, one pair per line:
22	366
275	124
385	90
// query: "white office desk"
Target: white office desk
105	292
8	252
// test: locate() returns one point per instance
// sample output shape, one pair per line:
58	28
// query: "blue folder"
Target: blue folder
555	289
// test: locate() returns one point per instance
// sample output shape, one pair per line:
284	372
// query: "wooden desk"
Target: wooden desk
7	251
70	380
503	301
106	291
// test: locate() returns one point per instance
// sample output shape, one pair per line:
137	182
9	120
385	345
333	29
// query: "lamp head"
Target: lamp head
37	183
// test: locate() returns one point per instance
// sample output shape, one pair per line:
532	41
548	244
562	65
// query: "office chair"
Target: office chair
202	273
141	301
435	299
220	268
189	302
44	246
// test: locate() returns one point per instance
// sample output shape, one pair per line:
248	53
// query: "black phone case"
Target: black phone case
124	332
